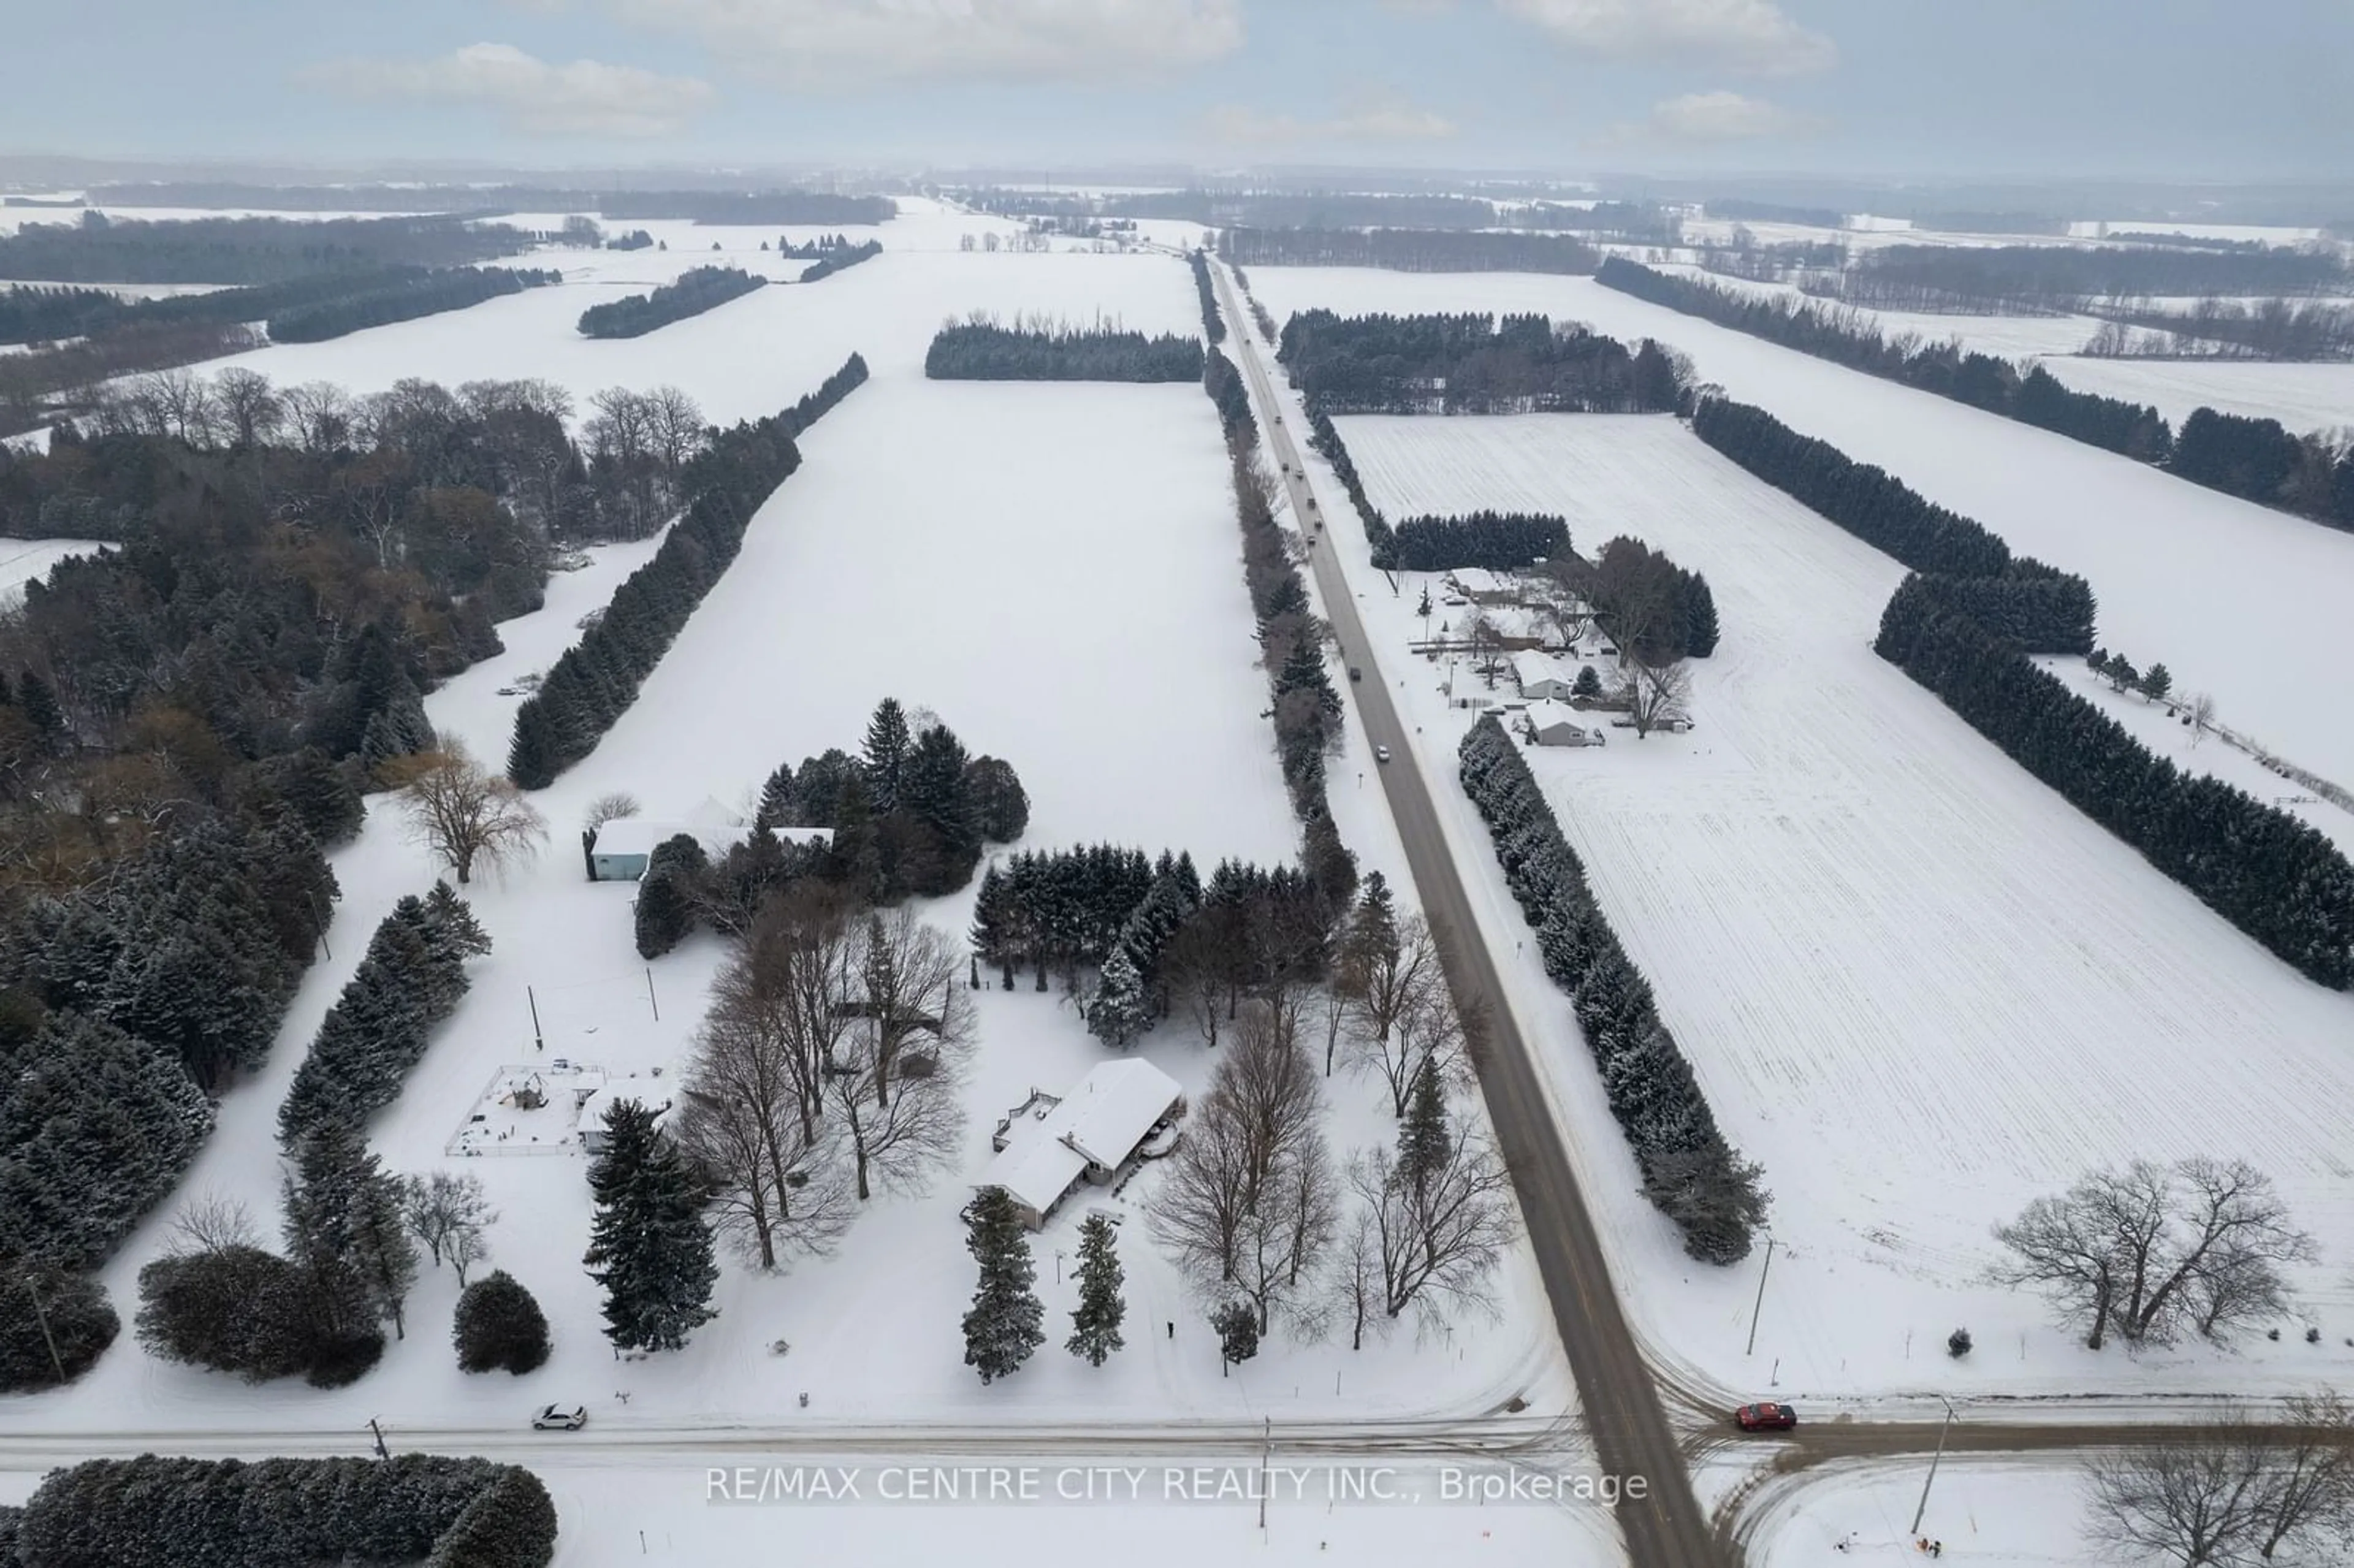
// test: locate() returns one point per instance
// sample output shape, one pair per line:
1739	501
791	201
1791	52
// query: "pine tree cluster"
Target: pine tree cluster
153	1512
1214	326
2273	875
981	350
1690	1172
409	981
1224	385
2047	611
597	680
648	1244
694	291
402	298
1980	380
833	254
1324	438
1650	605
1472	364
1499	541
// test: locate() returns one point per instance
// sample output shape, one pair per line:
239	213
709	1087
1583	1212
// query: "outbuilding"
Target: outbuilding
622	847
1091	1135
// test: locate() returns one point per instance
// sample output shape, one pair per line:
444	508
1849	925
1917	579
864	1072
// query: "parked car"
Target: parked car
560	1418
1766	1416
1381	754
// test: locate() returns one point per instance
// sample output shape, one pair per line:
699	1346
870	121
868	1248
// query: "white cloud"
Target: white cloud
1382	119
1754	36
822	43
579	97
1700	118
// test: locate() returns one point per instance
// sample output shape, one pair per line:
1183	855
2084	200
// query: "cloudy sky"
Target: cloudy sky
2192	89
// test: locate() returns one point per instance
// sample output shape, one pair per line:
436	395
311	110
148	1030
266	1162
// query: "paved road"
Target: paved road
1665	1528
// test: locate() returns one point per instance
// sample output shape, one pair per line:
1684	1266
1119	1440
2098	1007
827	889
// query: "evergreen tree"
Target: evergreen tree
1001	808
932	790
1003	1325
992	935
1425	1141
499	1326
44	1308
1236	1325
776	803
648	1245
1700	618
887	746
1095	1325
1588	684
2155	682
1119	1010
41	710
344	1227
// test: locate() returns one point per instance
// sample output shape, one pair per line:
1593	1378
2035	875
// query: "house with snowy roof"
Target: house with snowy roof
1091	1135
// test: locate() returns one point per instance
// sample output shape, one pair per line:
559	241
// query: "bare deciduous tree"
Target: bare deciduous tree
1438	1240
212	1222
320	413
610	807
742	1117
444	1210
1425	1027
2233	1492
913	993
2145	1250
464	815
2200	706
1656	694
1486	639
893	1080
250	406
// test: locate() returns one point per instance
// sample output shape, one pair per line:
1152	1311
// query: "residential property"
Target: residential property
617	851
1541	678
1551	724
1090	1135
590	1123
1479	586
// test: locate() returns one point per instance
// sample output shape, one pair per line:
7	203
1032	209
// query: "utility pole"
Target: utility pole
650	993
1932	1475
381	1451
538	1040
42	1318
1760	1305
1266	1470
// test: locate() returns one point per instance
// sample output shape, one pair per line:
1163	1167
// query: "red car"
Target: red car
1766	1417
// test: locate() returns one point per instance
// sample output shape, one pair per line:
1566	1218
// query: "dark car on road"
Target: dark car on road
1766	1417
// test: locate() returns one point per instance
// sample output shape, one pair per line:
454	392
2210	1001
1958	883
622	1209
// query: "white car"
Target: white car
1381	754
560	1418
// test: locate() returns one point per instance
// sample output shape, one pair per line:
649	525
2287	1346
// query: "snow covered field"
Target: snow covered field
2009	336
1055	570
22	560
2301	397
2227	593
1916	985
1990	1513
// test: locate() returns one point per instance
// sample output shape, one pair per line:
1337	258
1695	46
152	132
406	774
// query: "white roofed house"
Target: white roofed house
1481	586
1091	1136
1552	724
1540	678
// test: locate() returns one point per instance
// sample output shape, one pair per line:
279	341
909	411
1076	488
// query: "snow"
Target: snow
2229	594
1915	984
2315	397
1987	1513
26	560
2009	336
1099	1123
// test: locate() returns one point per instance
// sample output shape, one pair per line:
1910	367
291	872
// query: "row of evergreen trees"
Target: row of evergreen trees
840	257
1214	326
2273	876
1409	249
402	298
1981	381
980	350
1690	1172
102	250
411	979
1324	440
158	1512
2047	611
2048	277
597	678
2261	460
1224	385
694	292
1472	364
1499	541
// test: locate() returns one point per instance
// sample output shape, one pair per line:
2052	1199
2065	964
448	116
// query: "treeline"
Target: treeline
153	1512
695	291
2045	609
1471	363
597	678
2282	330
2045	276
2273	876
410	981
2260	461
1742	209
1844	337
1499	541
1324	438
710	206
1214	326
1652	607
404	298
1281	210
100	249
1690	1172
770	207
980	350
1408	249
838	258
907	817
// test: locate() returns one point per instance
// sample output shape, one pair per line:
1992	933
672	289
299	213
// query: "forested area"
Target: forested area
1652	607
694	292
1500	541
2045	277
1690	1172
2276	878
1845	337
2280	330
1471	363
153	1512
2261	460
769	206
597	678
744	207
979	349
1408	249
2045	609
402	298
100	249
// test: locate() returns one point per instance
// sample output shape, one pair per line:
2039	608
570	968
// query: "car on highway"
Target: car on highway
560	1418
1355	673
1381	754
1765	1416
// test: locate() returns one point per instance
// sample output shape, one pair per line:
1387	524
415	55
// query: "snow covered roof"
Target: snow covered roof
1529	667
645	1091
1480	579
634	835
1099	1123
1545	716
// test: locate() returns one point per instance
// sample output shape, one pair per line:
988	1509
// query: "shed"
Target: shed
1540	677
1092	1134
622	846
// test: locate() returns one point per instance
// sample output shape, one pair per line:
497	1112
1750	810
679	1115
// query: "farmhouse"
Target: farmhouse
1540	677
1551	724
1093	1133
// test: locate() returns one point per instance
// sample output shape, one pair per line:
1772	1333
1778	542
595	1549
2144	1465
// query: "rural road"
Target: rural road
1664	1528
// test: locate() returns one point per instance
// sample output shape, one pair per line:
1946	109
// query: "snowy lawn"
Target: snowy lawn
2229	594
1917	985
2025	1513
